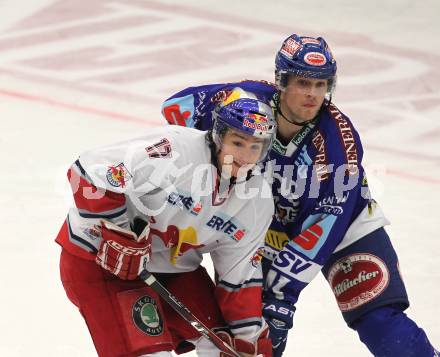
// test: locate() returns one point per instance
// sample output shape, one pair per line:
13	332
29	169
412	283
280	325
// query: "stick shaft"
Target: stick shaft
183	311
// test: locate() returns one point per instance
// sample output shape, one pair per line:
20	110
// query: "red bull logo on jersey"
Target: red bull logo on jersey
118	175
257	257
179	240
229	226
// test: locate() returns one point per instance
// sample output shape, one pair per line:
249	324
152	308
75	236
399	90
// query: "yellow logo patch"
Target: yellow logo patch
276	239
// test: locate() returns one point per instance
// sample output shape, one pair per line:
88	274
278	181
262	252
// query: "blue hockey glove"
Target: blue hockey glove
279	316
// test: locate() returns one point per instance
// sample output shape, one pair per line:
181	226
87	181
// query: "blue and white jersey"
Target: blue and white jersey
320	190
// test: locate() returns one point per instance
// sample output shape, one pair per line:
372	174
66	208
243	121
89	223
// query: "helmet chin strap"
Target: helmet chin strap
290	120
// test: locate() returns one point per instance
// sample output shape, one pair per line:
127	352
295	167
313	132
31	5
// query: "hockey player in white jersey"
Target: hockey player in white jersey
159	202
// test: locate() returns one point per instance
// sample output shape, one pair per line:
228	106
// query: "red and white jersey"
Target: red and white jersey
167	178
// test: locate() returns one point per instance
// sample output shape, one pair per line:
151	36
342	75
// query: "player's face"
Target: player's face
239	152
303	97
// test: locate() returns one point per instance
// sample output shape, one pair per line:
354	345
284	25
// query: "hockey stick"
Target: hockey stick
183	311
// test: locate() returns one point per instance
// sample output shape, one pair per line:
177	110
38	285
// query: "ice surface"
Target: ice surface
78	74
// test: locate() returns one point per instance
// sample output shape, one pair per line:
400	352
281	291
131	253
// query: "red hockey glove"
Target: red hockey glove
122	252
262	348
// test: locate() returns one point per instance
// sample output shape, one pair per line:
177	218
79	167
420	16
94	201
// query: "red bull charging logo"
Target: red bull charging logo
256	122
257	257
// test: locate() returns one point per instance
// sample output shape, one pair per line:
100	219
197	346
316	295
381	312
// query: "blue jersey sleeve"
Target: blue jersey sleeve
193	106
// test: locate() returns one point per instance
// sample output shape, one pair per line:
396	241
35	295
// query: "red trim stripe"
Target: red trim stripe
87	197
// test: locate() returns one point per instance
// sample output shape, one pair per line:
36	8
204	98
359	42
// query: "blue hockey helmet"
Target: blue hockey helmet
247	113
304	56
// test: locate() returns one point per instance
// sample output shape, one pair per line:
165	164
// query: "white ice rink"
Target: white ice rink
78	74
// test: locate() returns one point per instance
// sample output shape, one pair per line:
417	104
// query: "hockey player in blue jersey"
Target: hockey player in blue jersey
325	219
